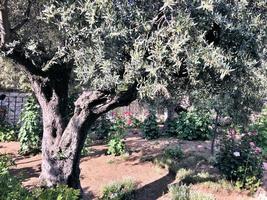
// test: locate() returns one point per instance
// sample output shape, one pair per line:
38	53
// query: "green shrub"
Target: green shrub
5	163
150	127
134	122
10	186
200	177
119	191
193	125
101	129
240	160
61	192
175	153
7	132
118	128
171	127
259	129
31	128
183	192
116	146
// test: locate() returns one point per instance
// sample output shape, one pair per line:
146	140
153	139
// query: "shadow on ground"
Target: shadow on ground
155	189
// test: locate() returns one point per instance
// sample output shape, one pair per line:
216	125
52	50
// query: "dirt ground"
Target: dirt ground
99	169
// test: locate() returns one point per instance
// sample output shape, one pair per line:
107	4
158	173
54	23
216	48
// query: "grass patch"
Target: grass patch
183	192
201	177
124	190
213	182
186	161
219	185
183	173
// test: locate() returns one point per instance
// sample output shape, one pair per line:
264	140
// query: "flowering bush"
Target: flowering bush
240	160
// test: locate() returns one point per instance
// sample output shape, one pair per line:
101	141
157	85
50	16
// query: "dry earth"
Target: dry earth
99	169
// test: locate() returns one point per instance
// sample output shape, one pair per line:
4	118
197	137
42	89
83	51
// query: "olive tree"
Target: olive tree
115	51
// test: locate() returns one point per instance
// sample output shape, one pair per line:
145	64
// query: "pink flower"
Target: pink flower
127	113
113	114
232	133
258	150
129	122
252	144
254	133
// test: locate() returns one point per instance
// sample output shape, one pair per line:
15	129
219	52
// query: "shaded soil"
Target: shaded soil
98	169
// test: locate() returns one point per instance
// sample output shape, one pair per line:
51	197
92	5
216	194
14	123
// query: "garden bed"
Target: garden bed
99	169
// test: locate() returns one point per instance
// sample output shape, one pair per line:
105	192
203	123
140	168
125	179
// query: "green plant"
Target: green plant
7	132
116	146
101	129
61	192
119	191
31	127
118	126
5	163
150	127
175	153
193	125
240	160
12	189
200	177
171	127
135	122
259	129
10	186
183	192
86	148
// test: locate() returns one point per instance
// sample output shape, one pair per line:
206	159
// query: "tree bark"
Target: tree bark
4	23
62	146
215	133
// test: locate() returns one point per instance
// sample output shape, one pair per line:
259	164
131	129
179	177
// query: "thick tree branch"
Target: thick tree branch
18	56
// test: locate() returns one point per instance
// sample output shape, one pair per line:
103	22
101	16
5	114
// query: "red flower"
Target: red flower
129	122
128	113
